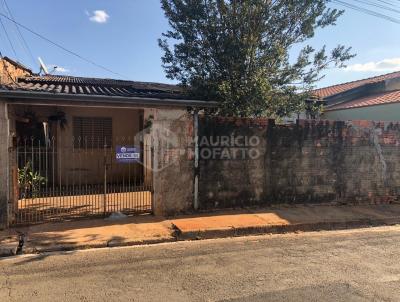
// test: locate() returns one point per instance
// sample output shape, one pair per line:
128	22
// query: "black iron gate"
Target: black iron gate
58	180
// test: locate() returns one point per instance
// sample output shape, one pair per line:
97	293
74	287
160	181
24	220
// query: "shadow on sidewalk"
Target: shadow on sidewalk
147	229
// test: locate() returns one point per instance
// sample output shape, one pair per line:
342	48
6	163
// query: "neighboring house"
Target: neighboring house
74	132
10	70
376	98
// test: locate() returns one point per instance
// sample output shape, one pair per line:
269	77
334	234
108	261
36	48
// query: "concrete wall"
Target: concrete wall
388	112
311	162
173	169
229	174
4	167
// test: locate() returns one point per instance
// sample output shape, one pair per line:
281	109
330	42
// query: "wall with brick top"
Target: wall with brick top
307	162
171	135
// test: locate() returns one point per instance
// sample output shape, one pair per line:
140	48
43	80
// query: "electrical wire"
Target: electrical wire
25	44
62	47
367	11
8	37
378	6
389	3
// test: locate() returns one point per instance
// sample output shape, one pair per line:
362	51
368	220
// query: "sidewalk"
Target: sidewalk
84	234
285	219
149	229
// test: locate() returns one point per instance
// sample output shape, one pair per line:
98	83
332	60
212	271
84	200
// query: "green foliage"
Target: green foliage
237	52
30	181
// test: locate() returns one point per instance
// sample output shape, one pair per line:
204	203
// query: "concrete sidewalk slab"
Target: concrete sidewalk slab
284	219
220	220
88	234
148	229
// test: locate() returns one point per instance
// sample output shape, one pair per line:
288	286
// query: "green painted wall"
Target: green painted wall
388	112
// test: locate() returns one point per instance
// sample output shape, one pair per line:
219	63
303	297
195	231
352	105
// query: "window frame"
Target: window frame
90	136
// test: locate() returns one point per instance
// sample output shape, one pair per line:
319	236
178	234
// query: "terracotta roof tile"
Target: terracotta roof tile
96	86
332	90
371	100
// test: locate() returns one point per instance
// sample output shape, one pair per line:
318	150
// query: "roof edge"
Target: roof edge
69	79
351	82
358	107
18	64
45	96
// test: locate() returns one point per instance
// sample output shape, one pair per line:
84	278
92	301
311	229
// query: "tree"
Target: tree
237	52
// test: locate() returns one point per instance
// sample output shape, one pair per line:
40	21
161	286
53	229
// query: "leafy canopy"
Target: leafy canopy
237	52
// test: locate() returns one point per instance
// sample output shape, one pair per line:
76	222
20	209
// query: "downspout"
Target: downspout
196	158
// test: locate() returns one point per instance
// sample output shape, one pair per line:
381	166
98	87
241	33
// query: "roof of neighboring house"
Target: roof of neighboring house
336	89
18	64
69	87
370	100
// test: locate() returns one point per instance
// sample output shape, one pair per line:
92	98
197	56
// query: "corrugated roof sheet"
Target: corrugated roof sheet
332	90
371	100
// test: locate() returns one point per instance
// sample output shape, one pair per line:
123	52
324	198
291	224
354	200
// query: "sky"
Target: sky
122	36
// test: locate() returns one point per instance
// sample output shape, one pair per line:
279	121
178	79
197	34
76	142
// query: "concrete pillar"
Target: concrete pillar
173	173
4	167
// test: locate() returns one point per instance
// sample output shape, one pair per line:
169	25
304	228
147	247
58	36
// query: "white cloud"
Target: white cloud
61	69
98	16
58	69
385	65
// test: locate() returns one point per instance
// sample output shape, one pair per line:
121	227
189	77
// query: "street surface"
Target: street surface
358	265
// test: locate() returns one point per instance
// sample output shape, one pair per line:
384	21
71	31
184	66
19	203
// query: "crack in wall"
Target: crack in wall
375	140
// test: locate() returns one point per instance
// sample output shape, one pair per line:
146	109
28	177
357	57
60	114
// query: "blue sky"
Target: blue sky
123	35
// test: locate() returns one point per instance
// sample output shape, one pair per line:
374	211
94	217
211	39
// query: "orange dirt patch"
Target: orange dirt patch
218	222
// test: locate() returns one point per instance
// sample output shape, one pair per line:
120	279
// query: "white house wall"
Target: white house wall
388	112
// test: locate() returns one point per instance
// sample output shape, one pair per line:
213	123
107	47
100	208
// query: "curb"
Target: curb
7	252
178	235
281	229
65	248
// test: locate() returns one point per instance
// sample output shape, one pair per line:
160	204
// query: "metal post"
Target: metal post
152	159
105	182
196	158
8	215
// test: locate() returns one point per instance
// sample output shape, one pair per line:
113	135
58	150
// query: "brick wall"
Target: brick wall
10	71
308	162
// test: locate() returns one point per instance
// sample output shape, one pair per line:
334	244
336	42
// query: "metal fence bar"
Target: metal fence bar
78	179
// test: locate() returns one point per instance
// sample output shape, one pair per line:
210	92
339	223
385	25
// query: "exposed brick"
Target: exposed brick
310	161
11	70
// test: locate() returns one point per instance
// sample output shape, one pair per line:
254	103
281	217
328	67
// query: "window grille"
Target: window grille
93	132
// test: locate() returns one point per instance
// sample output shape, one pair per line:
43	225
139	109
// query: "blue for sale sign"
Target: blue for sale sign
127	154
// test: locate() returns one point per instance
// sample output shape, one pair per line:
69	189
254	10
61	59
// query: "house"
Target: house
10	70
76	146
376	98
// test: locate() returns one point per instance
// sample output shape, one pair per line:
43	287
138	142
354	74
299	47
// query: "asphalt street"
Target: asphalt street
358	265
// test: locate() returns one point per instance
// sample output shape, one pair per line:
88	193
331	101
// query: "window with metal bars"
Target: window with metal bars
92	132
